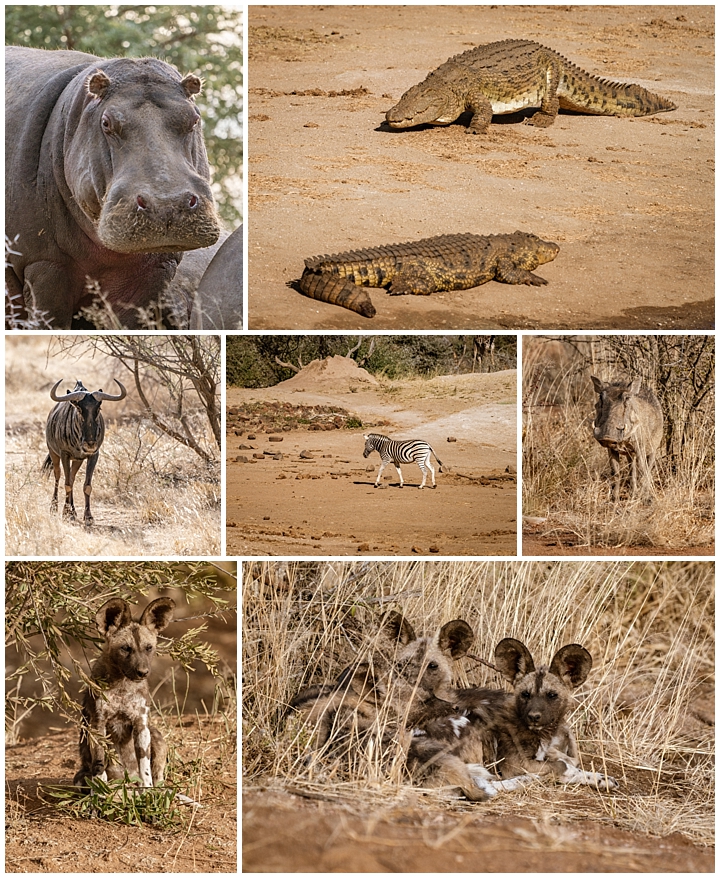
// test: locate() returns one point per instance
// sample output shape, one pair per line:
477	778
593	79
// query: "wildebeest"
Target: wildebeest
74	432
628	422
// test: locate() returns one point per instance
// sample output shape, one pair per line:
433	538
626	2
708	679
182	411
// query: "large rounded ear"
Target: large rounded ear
158	614
97	84
597	384
455	638
513	659
192	85
572	664
396	628
112	616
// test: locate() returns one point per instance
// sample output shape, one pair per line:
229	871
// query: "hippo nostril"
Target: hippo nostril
141	203
193	203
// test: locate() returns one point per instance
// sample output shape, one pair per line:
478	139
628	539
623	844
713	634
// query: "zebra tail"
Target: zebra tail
443	468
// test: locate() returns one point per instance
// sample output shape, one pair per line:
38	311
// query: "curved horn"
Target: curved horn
100	395
69	397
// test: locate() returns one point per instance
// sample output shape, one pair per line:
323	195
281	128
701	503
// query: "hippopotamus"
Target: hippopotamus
107	181
219	301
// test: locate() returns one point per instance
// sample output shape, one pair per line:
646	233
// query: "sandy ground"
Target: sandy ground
40	839
286	833
629	201
325	503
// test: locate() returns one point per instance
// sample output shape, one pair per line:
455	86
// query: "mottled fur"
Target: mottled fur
121	710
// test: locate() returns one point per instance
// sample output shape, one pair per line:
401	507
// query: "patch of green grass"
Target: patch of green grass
120	801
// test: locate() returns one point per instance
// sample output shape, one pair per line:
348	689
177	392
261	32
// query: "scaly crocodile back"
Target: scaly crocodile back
511	75
445	262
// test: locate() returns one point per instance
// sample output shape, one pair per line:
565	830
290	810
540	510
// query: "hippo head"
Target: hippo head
136	164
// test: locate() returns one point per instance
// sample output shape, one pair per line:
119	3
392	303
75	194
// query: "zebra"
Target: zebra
397	451
74	432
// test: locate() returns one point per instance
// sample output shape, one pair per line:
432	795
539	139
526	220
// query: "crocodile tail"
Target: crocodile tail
582	91
337	291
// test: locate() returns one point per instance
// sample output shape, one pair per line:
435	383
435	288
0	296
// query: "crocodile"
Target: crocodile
419	268
512	75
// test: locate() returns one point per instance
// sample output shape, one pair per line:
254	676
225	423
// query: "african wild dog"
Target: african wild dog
121	710
400	691
530	732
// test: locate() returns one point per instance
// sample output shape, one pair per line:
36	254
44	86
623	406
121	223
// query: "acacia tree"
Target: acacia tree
50	611
187	369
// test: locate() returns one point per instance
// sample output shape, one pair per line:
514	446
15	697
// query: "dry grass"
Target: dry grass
151	495
645	715
566	473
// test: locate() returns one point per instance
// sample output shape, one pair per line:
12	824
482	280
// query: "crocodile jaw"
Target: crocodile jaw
423	106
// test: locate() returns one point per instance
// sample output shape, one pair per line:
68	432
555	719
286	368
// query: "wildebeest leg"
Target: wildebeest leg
615	470
55	458
70	468
87	489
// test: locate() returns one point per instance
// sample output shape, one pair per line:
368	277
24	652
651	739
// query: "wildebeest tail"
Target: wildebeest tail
47	465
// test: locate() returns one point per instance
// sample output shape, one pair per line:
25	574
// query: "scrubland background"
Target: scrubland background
566	486
154	492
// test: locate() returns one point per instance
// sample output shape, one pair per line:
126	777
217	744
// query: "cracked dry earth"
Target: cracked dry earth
629	201
318	497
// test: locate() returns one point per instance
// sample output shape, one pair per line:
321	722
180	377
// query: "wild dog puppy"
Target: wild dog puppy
121	710
530	731
401	687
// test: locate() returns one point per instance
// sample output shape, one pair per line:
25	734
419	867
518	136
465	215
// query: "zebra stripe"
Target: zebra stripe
397	451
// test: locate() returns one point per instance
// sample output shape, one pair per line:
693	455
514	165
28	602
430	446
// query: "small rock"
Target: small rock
511	469
275	438
281	476
416	550
305	455
452	439
232	524
267	518
251	436
244	447
241	459
434	550
258	455
364	547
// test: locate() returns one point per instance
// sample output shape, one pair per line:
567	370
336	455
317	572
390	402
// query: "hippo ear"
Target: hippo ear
192	85
97	84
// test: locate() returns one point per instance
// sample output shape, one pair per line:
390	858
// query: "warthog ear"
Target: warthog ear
158	614
97	84
513	659
192	85
572	664
597	384
455	638
113	615
634	387
397	628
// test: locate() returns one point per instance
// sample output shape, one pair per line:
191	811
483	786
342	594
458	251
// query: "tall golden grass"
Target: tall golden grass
644	716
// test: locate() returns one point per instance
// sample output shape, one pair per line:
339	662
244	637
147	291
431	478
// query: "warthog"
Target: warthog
629	423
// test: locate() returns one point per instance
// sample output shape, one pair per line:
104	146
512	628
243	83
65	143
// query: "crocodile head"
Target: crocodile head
533	251
425	105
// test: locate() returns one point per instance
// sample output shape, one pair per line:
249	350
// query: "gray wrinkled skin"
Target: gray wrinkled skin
219	300
107	180
629	423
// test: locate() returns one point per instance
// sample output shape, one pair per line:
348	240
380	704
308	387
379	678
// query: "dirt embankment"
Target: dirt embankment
300	484
285	833
629	200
